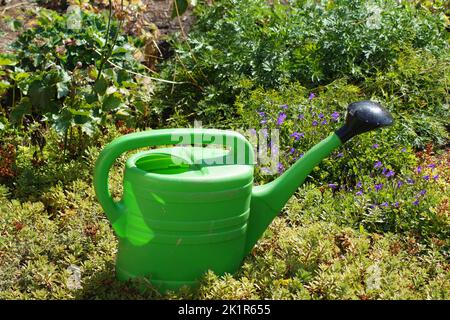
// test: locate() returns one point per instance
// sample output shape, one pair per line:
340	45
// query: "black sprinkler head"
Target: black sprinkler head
363	116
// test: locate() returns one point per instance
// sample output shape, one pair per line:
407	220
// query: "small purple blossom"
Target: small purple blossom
284	106
261	113
395	204
332	185
378	187
399	183
335	115
301	116
416	203
292	150
431	165
263	121
427	177
281	117
403	150
297	135
324	122
419	169
410	181
301	155
311	96
252	131
384	204
340	155
280	167
359	193
314	123
422	192
359	185
321	115
436	177
378	164
389	174
375	146
384	171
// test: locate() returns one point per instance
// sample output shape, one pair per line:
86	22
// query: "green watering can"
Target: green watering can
186	210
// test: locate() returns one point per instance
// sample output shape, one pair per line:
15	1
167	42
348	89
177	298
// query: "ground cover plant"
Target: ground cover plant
371	222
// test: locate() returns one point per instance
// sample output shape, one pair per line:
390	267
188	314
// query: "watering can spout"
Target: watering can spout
267	200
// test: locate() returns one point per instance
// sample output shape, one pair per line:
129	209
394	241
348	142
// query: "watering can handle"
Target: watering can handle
143	139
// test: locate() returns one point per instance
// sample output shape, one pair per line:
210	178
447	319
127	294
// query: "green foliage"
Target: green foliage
237	45
53	77
306	260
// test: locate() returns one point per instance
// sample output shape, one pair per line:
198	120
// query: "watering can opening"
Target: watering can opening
162	163
189	163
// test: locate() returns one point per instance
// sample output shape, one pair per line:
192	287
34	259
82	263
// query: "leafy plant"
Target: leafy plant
75	78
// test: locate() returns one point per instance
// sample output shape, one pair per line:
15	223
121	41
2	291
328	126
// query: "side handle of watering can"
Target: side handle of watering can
114	210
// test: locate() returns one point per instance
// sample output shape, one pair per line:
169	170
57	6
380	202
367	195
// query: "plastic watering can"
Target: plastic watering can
186	210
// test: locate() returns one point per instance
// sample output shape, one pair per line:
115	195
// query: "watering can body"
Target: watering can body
188	209
184	210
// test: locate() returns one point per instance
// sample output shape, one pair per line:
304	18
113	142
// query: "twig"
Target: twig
187	42
108	29
13	6
143	75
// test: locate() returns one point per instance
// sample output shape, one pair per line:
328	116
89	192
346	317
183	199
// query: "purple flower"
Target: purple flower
432	166
416	202
314	123
419	169
321	115
301	116
284	106
399	183
292	150
324	122
403	150
378	187
427	177
410	181
261	113
422	192
311	96
263	121
252	131
340	155
389	174
281	117
384	170
375	146
280	167
297	135
395	204
359	185
332	185
335	115
436	177
301	155
378	164
359	193
384	204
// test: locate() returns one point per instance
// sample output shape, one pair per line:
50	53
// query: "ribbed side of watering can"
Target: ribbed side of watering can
182	220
